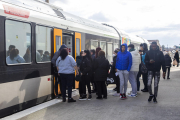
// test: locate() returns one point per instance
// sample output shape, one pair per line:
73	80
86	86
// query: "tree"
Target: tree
163	47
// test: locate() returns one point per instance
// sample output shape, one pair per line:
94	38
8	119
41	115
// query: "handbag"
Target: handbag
143	68
78	77
175	62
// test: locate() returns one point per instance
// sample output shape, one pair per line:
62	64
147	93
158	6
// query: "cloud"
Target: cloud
100	17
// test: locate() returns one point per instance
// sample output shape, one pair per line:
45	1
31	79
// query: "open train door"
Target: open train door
77	50
57	45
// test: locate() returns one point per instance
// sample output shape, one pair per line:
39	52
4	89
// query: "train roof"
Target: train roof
51	13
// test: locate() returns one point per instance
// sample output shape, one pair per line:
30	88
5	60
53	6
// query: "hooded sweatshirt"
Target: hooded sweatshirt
136	60
56	55
124	59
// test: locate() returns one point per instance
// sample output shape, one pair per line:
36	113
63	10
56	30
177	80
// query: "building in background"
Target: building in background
150	41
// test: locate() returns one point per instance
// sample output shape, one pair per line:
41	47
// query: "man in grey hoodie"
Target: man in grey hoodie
53	61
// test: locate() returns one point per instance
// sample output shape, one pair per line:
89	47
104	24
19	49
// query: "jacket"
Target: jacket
56	55
86	66
144	52
177	56
101	68
136	60
158	57
16	60
124	59
168	60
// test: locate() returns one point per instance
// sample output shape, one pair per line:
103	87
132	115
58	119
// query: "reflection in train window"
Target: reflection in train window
43	44
77	47
103	46
94	44
18	42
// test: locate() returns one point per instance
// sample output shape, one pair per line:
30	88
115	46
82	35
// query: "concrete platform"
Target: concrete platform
167	108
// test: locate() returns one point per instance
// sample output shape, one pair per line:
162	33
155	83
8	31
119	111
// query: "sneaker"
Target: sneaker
144	90
71	100
150	98
124	95
121	96
116	94
155	100
64	99
83	98
90	96
132	95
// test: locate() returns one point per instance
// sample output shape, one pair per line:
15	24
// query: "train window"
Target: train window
94	44
103	46
18	42
110	52
58	42
43	44
77	47
116	45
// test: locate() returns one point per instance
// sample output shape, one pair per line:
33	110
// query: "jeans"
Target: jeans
85	81
168	73
145	80
156	76
123	76
67	80
132	80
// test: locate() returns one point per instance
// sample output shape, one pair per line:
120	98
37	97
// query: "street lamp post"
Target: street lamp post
115	30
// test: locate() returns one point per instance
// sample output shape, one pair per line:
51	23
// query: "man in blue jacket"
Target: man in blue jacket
123	66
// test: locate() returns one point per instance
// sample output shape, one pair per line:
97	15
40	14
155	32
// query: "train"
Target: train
31	31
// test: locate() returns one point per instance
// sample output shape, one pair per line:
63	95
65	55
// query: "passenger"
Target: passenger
66	66
139	73
27	56
116	78
97	51
176	57
123	66
86	74
168	62
14	57
101	68
41	54
136	60
11	47
154	61
144	49
46	56
78	61
53	61
93	56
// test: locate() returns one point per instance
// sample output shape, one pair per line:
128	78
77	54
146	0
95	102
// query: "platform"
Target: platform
113	108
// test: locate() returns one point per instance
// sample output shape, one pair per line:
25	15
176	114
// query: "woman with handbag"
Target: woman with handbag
101	68
86	74
176	57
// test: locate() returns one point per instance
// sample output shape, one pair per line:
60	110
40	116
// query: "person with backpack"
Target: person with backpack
101	68
86	74
53	61
136	60
154	61
144	49
123	67
66	66
168	62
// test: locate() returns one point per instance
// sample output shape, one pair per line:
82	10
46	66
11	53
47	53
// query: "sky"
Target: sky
150	19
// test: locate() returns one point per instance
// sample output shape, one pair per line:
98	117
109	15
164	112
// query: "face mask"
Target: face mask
114	55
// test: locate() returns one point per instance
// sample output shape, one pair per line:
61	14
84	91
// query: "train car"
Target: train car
31	31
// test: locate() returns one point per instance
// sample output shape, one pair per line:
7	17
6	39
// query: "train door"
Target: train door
77	50
57	45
